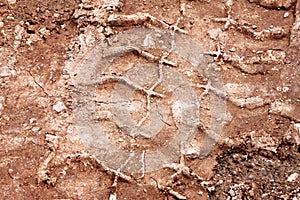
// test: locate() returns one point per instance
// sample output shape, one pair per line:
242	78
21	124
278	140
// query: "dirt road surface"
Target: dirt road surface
250	112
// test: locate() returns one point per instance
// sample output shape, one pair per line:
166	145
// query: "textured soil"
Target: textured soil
257	54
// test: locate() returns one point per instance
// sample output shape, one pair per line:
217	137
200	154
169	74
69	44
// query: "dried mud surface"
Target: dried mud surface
255	45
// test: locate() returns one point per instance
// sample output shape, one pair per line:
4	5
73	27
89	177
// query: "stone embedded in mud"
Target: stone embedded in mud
11	1
293	177
244	96
44	32
297	126
286	110
104	115
59	106
274	4
215	33
1	104
250	102
5	71
286	15
35	129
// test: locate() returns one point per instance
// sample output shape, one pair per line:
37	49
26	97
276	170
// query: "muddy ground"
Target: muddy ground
253	44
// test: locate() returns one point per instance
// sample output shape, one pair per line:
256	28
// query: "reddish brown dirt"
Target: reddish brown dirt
257	155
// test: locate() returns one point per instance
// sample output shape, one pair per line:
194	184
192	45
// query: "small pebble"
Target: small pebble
233	49
10	171
1	103
36	129
297	126
11	1
56	15
5	71
286	15
293	177
59	106
32	120
231	192
44	32
215	33
211	189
